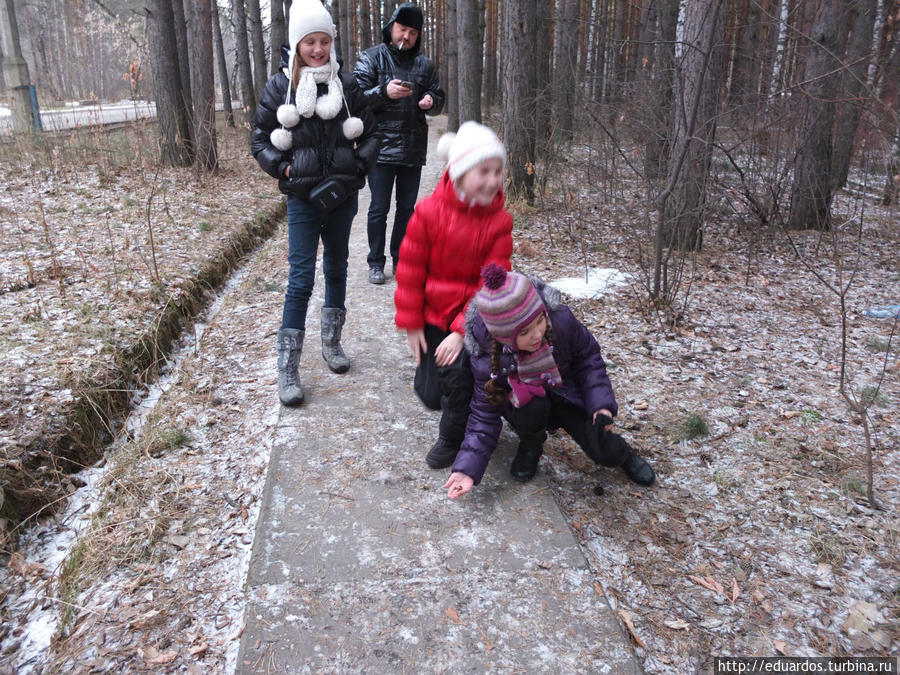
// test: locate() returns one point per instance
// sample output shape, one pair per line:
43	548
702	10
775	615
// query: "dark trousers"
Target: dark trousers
531	421
381	184
445	388
306	225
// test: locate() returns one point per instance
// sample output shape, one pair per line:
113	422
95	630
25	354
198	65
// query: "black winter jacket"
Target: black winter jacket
319	147
401	121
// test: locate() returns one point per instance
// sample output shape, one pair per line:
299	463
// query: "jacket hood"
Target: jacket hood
386	34
476	332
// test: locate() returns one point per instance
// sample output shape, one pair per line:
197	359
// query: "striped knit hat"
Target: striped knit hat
507	303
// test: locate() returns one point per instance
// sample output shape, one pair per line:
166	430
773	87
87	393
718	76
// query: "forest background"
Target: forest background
685	137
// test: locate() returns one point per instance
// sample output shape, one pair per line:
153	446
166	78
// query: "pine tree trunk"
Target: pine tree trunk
853	79
277	36
697	93
519	80
257	46
745	75
811	192
174	127
471	48
242	61
452	51
565	83
365	30
184	55
224	82
656	147
203	93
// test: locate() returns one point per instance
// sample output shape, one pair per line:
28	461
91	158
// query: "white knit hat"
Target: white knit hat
468	147
309	16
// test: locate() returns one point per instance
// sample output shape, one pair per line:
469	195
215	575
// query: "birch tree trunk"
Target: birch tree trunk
775	83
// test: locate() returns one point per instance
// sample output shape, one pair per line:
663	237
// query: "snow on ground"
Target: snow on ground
758	538
595	282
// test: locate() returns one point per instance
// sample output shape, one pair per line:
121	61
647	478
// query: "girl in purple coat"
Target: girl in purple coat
539	367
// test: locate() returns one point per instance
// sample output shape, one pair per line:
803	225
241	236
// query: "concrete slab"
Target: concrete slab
362	564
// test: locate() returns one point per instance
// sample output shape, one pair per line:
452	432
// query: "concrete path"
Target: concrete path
360	562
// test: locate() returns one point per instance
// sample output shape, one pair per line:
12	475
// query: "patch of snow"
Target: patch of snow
595	282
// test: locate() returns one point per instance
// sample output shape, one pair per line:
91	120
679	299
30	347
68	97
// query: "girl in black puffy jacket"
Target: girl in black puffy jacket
313	129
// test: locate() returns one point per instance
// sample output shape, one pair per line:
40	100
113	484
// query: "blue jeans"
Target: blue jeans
381	184
306	224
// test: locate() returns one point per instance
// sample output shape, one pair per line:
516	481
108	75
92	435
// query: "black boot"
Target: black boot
456	391
638	470
442	453
525	464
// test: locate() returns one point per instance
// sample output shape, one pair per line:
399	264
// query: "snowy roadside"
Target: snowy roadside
181	535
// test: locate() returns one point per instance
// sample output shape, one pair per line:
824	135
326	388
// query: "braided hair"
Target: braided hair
496	392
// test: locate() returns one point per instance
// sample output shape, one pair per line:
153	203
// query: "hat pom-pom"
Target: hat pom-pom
353	127
288	115
281	139
443	146
494	276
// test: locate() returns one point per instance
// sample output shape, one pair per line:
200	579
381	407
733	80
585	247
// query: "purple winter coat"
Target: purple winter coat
577	355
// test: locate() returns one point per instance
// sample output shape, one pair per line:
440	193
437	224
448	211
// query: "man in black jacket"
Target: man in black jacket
401	87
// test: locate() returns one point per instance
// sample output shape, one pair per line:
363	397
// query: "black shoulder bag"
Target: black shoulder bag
331	192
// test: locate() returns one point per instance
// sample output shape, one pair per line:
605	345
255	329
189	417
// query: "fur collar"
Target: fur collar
552	300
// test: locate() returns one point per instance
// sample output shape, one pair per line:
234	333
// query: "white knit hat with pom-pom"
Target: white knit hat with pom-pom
468	147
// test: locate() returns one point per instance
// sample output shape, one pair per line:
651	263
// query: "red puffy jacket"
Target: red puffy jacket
447	243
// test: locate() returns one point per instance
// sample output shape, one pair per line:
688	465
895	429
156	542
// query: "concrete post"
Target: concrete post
25	112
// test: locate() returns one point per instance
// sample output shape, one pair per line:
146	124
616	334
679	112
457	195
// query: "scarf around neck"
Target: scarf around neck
307	100
536	371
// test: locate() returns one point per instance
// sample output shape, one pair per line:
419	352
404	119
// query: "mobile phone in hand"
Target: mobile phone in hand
406	83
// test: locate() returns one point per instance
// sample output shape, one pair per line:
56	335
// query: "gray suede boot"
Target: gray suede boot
332	323
290	345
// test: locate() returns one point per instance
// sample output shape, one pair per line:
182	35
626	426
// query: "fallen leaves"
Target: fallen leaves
708	582
629	624
451	614
713	585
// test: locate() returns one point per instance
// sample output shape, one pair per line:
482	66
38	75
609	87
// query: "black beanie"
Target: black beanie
409	15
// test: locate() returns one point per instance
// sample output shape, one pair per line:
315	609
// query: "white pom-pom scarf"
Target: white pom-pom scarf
309	103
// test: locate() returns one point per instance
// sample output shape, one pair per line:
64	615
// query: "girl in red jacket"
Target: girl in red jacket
452	234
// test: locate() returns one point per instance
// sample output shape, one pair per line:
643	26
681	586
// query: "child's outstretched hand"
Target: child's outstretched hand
449	349
458	484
